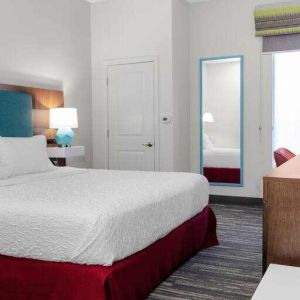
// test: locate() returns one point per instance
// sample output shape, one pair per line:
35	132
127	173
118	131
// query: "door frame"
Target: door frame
241	102
137	60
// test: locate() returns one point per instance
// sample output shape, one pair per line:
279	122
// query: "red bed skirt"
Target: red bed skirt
222	175
130	279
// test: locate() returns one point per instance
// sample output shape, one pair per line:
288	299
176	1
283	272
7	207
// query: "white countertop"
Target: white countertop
279	283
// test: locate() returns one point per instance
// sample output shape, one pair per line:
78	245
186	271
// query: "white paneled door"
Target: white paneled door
131	122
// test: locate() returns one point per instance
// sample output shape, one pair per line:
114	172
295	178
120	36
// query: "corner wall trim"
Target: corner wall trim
233	200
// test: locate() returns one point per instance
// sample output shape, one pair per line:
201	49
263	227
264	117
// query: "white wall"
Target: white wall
128	29
47	44
221	98
220	28
181	89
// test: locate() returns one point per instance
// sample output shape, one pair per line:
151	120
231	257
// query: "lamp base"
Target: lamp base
64	137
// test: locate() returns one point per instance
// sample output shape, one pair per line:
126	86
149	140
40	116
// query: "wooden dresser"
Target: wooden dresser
281	242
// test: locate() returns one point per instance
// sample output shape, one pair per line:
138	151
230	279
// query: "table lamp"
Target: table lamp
208	117
64	119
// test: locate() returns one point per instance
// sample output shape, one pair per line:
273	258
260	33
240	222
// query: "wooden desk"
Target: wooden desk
281	242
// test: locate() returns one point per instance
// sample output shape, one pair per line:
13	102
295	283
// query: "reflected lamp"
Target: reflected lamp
208	118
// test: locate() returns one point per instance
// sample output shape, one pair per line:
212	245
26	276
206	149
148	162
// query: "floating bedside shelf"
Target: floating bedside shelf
59	155
74	151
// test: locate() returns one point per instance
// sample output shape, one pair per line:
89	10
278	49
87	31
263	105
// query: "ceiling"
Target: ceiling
194	1
189	1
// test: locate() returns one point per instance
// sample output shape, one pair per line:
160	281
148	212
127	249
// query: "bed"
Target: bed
61	241
222	165
75	234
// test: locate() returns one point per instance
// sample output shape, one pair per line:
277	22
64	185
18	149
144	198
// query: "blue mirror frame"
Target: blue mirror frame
201	62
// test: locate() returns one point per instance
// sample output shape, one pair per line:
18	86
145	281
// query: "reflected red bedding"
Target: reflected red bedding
222	175
130	279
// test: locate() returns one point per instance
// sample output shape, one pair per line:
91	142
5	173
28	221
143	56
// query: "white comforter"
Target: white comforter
222	158
94	216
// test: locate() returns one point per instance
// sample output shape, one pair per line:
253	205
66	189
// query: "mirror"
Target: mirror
221	120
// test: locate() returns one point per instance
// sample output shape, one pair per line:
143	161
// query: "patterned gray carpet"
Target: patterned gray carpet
230	271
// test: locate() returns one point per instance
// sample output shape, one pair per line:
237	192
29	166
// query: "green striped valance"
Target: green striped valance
280	19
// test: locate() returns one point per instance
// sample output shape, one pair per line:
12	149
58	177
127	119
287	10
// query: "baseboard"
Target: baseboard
233	200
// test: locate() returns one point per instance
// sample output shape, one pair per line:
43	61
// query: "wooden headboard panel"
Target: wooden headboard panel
42	101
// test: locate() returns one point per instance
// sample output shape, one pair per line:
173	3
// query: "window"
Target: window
286	115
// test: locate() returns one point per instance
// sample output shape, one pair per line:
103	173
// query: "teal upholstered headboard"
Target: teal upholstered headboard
15	114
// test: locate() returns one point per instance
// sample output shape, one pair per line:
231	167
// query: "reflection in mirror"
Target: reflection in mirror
221	120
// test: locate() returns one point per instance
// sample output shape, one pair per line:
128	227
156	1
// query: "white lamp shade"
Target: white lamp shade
63	118
208	118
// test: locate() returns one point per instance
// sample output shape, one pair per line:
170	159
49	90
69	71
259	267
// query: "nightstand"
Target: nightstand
59	155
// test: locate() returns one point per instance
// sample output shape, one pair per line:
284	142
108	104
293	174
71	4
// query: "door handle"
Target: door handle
149	145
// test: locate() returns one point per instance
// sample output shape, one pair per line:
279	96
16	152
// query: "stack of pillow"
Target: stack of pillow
19	156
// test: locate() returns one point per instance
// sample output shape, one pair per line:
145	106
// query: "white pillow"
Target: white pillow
207	143
23	156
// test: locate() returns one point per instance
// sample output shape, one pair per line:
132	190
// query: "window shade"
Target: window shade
279	25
